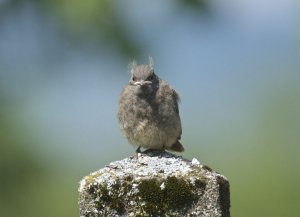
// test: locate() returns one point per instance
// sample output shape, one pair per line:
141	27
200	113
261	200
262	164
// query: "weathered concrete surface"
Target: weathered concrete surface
154	184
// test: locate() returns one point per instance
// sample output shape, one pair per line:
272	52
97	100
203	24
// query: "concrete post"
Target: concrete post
154	183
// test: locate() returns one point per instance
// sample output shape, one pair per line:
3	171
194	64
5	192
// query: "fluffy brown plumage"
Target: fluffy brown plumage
148	111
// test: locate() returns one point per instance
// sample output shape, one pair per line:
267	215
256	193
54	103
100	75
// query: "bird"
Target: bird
148	111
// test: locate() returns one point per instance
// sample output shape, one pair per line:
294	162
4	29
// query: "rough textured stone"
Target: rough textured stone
154	183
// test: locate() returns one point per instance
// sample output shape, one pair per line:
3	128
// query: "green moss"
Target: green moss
104	194
109	198
224	199
150	191
90	179
178	193
207	168
152	199
200	184
175	195
128	178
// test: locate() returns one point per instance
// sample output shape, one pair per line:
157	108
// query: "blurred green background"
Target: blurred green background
63	64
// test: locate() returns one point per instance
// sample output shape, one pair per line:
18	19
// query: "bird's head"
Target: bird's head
143	78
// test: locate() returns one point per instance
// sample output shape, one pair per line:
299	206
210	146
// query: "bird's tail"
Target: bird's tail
176	147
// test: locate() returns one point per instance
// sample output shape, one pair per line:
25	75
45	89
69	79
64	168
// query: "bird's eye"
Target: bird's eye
133	78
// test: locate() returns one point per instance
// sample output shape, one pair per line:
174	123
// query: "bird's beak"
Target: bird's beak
142	83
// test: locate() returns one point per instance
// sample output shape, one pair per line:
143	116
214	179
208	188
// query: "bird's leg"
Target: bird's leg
137	153
138	150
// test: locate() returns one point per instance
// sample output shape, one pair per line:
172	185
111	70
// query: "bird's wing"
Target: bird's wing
176	98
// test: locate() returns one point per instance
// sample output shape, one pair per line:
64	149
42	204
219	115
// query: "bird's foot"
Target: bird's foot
153	152
138	150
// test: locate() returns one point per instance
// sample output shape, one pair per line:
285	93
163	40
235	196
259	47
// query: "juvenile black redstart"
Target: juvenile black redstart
148	111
